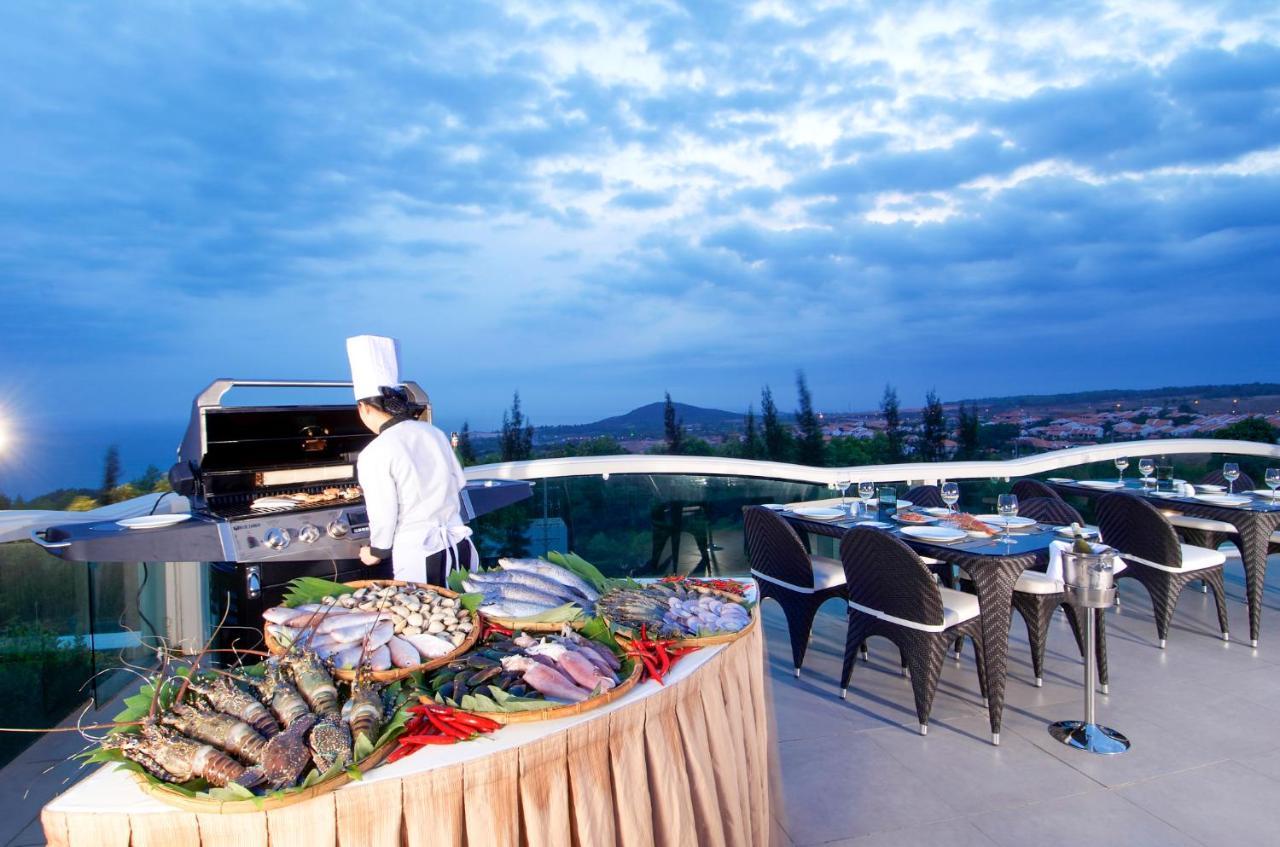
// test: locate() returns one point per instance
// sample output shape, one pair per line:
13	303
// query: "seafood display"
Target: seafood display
394	626
674	610
279	725
518	667
525	588
435	724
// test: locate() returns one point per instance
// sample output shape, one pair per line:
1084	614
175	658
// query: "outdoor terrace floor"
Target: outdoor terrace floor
1203	716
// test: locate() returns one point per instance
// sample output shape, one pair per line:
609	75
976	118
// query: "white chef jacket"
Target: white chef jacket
412	486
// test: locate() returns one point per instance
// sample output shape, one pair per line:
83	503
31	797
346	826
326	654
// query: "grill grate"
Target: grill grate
240	505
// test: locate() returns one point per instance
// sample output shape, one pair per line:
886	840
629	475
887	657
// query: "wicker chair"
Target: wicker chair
1206	532
1025	489
892	594
925	497
785	571
1036	596
1149	546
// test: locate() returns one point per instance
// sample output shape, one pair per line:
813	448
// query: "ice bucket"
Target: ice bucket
1090	578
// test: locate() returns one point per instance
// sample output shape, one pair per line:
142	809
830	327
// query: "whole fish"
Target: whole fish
548	681
505	609
575	666
532	580
511	593
564	576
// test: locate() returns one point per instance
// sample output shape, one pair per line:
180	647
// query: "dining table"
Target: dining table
992	564
1254	522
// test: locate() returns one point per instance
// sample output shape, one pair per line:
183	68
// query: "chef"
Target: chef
411	479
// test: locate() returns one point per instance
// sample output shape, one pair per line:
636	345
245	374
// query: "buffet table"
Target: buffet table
691	762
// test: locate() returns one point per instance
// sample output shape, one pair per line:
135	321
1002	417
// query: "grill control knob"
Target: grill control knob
309	533
339	528
277	539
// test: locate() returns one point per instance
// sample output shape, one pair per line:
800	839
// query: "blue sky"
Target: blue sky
595	203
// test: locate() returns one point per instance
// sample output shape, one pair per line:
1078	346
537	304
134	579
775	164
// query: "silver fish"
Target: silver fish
531	580
564	576
512	610
510	593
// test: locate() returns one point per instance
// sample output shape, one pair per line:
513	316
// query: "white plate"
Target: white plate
153	521
937	512
1102	483
1089	531
274	503
1225	499
777	507
874	524
925	522
1000	520
1212	488
821	514
1263	492
934	533
1060	479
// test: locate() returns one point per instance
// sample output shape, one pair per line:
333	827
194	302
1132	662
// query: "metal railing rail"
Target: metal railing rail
913	471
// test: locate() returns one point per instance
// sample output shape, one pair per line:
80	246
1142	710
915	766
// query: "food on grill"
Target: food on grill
969	523
674	610
393	626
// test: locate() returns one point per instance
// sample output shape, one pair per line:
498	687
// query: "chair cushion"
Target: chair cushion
928	562
1275	537
827	573
1193	559
1034	582
958	607
1206	524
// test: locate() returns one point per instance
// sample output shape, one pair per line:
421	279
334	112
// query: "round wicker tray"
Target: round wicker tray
392	674
259	804
627	633
515	624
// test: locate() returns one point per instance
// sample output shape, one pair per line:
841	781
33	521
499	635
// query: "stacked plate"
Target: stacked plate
153	521
1225	499
936	534
818	513
1109	485
1000	521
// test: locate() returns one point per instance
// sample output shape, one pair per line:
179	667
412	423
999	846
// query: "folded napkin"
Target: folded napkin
1057	548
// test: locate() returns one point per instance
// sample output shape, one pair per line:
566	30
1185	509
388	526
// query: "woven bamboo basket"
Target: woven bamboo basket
571	709
628	633
261	804
517	624
392	674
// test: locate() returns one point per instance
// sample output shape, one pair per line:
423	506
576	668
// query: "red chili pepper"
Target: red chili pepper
448	728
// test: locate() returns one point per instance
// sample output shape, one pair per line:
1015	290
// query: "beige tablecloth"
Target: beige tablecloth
689	763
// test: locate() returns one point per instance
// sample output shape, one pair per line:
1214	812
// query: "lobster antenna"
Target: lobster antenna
186	683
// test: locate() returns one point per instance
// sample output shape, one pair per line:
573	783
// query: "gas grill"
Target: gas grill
238	465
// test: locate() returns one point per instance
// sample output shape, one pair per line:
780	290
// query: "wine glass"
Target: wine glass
951	494
866	491
1273	482
843	485
1231	472
1146	467
1007	506
1122	462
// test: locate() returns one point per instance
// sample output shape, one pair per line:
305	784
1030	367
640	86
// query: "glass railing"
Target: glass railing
64	627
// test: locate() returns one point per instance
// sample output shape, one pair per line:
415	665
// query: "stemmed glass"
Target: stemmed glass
1273	482
951	494
866	491
1122	462
843	485
1007	506
1146	467
1231	472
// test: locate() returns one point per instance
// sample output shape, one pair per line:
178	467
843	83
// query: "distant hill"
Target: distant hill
1204	392
646	422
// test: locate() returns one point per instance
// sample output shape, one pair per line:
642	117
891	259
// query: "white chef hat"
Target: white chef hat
375	363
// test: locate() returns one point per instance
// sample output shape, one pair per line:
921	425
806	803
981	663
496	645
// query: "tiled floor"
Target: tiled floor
1203	716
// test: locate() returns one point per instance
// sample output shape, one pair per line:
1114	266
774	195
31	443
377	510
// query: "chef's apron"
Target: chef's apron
415	544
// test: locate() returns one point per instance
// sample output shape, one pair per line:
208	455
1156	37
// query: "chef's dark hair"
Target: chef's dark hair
393	401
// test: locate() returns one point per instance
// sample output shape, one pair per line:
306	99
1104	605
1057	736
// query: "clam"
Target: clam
435	627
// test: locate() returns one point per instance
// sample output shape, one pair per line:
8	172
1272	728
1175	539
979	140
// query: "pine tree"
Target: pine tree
892	423
110	473
751	446
775	437
968	435
673	427
933	431
811	449
466	451
517	434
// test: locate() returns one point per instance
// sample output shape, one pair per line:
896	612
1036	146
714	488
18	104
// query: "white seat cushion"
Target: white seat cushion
1034	582
1206	524
827	573
1275	537
1193	559
928	562
958	607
